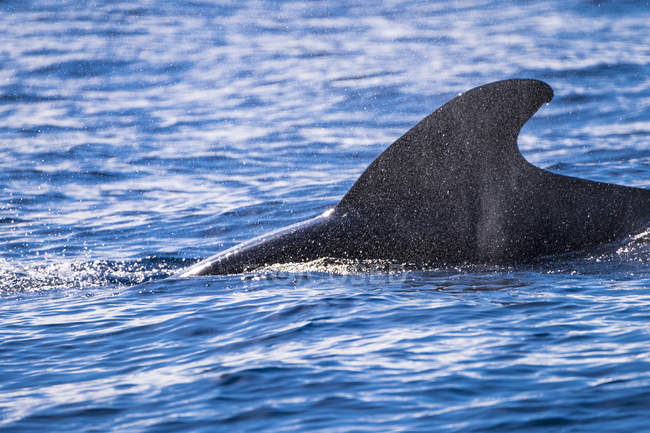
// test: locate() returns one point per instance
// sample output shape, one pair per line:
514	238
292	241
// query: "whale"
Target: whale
455	190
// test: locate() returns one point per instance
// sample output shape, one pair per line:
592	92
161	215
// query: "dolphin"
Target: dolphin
454	190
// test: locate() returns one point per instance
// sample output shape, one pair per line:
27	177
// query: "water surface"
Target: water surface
138	138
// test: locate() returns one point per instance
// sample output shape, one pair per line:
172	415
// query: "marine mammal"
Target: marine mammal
455	189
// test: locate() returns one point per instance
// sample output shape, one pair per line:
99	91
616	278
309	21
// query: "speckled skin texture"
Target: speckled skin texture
455	189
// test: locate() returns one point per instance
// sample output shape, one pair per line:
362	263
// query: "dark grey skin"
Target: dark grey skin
455	189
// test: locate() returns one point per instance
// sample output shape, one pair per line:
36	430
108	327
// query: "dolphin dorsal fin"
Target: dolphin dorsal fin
455	146
452	178
455	188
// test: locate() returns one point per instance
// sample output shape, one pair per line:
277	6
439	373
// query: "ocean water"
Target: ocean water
139	137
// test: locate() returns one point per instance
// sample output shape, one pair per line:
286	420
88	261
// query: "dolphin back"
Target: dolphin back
455	189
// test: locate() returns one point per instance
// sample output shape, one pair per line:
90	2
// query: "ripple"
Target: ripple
77	274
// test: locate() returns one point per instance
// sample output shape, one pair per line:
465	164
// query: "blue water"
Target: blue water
139	137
